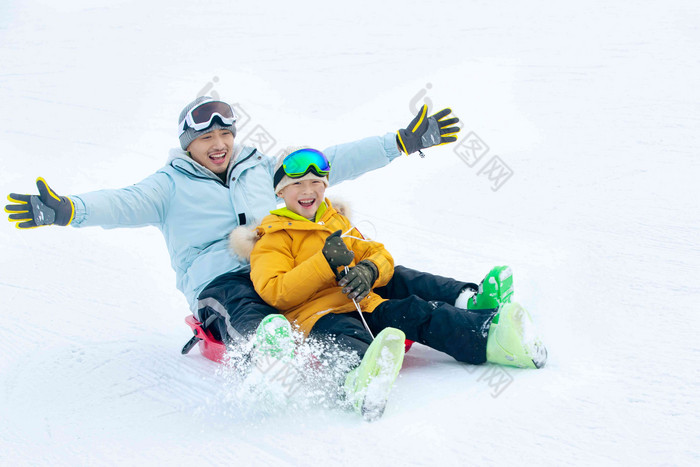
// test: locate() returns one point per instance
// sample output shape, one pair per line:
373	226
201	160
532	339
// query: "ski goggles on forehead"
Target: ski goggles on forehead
297	163
202	116
301	162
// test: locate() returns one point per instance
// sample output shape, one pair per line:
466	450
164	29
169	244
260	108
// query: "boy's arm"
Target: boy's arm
278	281
367	250
374	268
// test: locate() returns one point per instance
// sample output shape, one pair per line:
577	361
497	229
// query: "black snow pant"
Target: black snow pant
238	309
457	332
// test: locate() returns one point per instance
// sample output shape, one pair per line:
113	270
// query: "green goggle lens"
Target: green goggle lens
297	163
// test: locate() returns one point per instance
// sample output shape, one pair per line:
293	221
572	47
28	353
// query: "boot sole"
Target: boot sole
530	344
384	360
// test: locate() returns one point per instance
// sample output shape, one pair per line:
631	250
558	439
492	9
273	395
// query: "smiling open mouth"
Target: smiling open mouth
307	203
218	157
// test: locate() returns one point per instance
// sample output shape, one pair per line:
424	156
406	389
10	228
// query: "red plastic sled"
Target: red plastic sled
211	348
214	349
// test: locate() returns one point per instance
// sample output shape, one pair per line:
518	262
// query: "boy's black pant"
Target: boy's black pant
406	282
457	332
239	309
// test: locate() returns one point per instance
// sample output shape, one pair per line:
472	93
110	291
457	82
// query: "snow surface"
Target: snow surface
594	107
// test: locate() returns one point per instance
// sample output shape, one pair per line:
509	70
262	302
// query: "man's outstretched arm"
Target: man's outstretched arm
137	205
350	160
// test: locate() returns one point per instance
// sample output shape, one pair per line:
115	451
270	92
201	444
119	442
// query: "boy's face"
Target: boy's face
213	150
304	197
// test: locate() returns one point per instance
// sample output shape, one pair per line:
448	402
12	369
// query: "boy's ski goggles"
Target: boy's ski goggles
301	162
201	117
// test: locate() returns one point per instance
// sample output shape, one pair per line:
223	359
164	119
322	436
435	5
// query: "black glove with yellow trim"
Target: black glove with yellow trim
30	211
424	132
358	282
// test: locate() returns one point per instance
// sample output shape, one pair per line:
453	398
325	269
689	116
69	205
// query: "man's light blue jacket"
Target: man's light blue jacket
196	212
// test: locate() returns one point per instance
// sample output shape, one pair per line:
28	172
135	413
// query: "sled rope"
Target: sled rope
357	307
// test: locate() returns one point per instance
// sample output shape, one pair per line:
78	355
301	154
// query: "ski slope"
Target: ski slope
592	109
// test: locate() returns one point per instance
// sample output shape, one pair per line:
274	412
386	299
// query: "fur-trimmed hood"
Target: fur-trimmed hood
243	238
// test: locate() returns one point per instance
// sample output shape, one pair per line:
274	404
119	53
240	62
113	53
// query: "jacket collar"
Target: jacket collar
182	161
283	218
285	212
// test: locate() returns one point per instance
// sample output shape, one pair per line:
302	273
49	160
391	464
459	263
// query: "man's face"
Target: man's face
304	197
213	150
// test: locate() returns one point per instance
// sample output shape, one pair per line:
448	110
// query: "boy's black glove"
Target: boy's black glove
424	132
336	253
358	282
47	208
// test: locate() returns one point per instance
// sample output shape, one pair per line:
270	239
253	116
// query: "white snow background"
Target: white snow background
594	107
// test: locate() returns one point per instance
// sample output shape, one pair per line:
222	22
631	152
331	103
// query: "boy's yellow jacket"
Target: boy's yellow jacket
290	272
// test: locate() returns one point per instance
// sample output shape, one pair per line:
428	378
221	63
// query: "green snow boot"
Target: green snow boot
494	291
274	337
513	339
367	387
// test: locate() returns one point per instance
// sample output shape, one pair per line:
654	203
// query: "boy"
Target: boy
295	268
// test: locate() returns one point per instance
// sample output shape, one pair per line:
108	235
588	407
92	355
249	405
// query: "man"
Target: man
209	187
